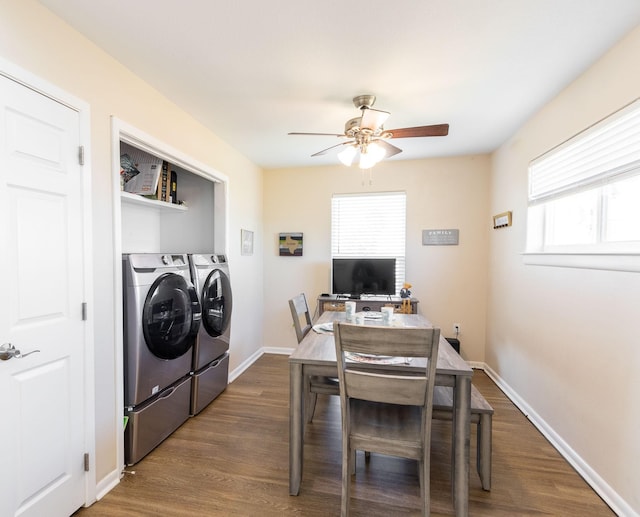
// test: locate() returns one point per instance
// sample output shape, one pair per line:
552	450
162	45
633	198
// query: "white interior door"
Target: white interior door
42	427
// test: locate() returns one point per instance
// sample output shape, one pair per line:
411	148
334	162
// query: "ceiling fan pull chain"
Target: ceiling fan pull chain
363	172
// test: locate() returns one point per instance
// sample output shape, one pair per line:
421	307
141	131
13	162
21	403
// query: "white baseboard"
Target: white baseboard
106	484
599	485
240	369
277	350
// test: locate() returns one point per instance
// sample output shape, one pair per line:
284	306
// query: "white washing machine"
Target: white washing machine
210	365
162	315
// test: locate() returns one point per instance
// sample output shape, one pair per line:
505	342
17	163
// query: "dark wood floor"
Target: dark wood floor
232	459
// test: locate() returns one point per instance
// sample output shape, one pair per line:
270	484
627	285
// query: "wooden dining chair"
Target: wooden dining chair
301	316
385	411
313	384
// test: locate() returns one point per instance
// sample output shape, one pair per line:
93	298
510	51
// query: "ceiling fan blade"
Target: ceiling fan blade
411	132
319	134
390	150
324	151
373	119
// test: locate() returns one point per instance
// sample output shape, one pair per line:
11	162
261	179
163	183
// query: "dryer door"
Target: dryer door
170	316
216	303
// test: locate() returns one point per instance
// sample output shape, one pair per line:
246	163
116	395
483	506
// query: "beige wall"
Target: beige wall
35	40
566	341
449	281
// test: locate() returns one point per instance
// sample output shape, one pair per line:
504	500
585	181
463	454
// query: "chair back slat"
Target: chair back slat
301	315
414	342
391	389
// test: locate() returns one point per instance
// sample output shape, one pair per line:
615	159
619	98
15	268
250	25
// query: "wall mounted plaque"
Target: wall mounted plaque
502	220
447	237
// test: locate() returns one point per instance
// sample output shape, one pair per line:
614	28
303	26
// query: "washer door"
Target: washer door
216	303
170	316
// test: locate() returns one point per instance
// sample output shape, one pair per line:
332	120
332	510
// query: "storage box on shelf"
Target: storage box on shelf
370	303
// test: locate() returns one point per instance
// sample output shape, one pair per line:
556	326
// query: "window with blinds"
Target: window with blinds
583	194
370	225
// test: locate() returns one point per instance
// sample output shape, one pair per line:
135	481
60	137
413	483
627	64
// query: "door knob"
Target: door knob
7	351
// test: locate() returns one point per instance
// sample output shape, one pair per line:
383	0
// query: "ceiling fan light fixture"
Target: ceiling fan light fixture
369	139
347	155
370	155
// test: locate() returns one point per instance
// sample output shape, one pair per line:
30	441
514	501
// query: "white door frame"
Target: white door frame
35	83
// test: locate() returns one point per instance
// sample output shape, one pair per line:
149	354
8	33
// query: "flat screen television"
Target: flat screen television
358	276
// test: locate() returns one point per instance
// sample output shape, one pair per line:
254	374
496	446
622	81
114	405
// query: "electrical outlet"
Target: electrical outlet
456	328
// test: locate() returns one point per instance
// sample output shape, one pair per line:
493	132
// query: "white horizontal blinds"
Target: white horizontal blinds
370	225
609	148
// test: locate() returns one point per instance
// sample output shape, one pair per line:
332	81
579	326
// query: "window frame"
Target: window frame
402	240
604	154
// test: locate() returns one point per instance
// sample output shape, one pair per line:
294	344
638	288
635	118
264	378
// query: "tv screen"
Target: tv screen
357	276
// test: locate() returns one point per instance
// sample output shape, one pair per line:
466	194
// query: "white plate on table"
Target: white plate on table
376	359
324	328
370	315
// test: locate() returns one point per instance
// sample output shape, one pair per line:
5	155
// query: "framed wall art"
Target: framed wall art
290	244
246	242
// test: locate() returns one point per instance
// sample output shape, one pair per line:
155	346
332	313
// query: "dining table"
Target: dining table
316	356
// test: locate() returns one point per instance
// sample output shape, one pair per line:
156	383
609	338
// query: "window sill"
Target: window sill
606	261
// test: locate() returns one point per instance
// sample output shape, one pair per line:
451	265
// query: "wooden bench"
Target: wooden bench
481	414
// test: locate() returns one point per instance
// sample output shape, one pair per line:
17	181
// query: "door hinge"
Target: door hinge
81	155
86	462
84	311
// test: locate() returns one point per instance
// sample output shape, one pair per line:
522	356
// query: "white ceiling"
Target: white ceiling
254	70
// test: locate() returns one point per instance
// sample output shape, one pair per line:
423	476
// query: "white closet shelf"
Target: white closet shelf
135	199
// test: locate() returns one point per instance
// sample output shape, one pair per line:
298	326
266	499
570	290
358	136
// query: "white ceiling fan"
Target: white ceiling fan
368	140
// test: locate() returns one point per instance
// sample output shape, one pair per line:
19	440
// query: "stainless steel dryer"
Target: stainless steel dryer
162	315
210	366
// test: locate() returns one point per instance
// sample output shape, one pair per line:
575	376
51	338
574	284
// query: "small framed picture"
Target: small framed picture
502	220
246	242
290	244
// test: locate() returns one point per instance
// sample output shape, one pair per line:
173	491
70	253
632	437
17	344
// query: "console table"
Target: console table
366	303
